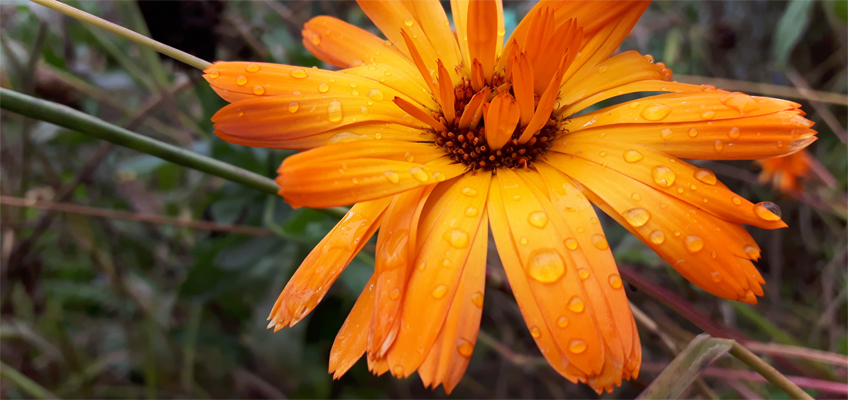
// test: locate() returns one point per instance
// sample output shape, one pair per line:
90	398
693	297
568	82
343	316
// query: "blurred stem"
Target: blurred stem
22	381
767	371
119	30
187	373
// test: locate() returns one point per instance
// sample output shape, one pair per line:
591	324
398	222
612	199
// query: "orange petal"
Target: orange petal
410	84
501	120
438	267
634	87
350	342
345	134
701	247
422	65
545	106
473	110
523	84
717	125
446	94
419	114
676	178
327	260
452	350
459	11
392	17
431	15
395	249
348	173
483	34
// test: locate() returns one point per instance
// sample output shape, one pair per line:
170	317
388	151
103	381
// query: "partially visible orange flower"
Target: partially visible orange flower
785	173
436	136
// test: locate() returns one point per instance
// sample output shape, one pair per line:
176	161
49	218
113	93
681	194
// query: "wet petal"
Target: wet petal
351	340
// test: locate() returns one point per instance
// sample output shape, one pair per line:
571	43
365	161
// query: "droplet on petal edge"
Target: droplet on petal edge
545	265
767	211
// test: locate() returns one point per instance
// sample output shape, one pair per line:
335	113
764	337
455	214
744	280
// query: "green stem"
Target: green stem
117	29
29	386
767	371
75	120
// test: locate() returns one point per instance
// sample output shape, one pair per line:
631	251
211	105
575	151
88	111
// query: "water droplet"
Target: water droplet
465	348
457	238
577	346
663	175
408	21
706	176
516	197
395	294
580	229
634	105
632	156
258	90
523	240
716	276
293	107
693	243
538	219
471	212
583	273
545	265
740	102
241	80
636	196
603	153
571	243
665	134
213	73
477	299
535	332
240	112
447	264
603	68
649	57
469	192
440	291
422	266
734	133
600	242
752	252
692	132
252	68
676	233
576	304
323	87
375	94
354	92
501	32
334	111
615	281
419	174
719	146
708	115
656	112
298	73
680	189
657	237
562	321
767	211
736	200
316	39
378	136
594	221
637	216
392	176
397	371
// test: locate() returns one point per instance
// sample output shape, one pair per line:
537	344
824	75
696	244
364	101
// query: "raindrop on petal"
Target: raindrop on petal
656	112
545	265
663	175
637	216
767	211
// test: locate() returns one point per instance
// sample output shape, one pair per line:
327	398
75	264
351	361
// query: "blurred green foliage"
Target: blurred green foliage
105	308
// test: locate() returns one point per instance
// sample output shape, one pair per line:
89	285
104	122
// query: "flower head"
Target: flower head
435	136
786	173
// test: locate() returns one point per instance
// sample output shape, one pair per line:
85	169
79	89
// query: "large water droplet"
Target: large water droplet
395	294
663	176
656	112
465	348
241	80
736	200
240	112
603	68
298	73
632	156
577	346
637	216
408	21
213	73
258	90
708	115
571	243
469	192
252	67
693	243
740	102
636	197
447	263
397	371
535	332
323	87
752	252
600	242
457	238
583	273
392	176
657	237
375	94
767	211
440	291
716	276
576	304
477	299
562	321
634	105
538	219
523	240
293	106
471	212
706	176
419	174
734	133
334	111
615	281
692	132
665	134
545	265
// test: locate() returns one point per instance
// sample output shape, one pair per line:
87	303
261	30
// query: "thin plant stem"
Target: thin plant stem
124	32
29	386
767	371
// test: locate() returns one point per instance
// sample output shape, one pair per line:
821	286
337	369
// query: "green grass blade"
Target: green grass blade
686	367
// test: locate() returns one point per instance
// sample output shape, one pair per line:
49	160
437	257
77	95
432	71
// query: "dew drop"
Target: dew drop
767	211
740	102
692	132
634	105
716	276
576	304
464	348
523	240
600	242
680	189
457	238
395	294
632	156
241	80
298	73
354	92
258	90
708	115
392	176
656	112
545	265
693	243
252	67
447	263
422	266
663	175
293	107
649	57
538	219
736	200
418	173
665	134
240	112
408	21
477	299
637	216
603	153
571	243
535	332
471	212
636	196
378	136
409	157
397	371
323	87
375	94
334	111
676	233
516	197
213	73
440	291
562	321
657	237
706	176
469	192
603	68
615	281
752	252
719	146
577	346
583	273
734	133
501	32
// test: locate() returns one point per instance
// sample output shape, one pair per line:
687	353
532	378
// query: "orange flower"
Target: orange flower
784	172
436	136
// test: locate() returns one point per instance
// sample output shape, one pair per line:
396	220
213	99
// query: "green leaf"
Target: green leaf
792	25
684	369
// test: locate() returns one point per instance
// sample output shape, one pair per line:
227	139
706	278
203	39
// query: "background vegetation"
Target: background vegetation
125	276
